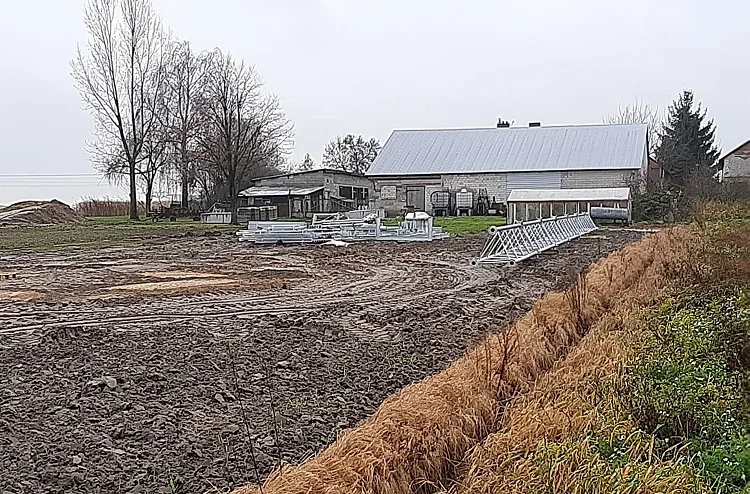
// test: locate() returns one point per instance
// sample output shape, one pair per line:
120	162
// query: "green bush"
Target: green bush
653	206
687	384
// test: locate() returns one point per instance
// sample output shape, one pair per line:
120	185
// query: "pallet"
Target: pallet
8	276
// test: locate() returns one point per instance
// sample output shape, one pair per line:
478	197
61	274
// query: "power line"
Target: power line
60	175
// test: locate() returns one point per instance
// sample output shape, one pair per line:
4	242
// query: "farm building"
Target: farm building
415	164
734	167
301	194
530	204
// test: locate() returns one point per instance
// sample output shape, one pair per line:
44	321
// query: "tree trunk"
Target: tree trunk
149	193
185	190
233	193
133	192
185	176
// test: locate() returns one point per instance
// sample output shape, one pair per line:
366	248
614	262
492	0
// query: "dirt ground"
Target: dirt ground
165	367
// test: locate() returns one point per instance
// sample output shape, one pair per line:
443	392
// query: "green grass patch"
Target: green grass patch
463	225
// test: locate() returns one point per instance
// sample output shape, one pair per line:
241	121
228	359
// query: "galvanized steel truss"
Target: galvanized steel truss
514	243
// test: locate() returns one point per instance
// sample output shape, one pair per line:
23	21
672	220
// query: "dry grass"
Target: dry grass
106	207
545	442
417	438
550	439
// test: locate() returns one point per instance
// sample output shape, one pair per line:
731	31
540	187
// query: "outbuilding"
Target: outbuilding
302	194
416	166
734	167
533	204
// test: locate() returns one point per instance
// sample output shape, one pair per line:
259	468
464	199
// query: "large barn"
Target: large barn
416	163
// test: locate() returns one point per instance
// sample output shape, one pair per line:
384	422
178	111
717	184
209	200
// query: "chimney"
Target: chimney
502	124
535	124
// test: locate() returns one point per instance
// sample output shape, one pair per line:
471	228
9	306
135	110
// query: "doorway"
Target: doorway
415	198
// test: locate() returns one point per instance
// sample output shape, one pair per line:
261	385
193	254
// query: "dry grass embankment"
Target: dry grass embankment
575	432
416	440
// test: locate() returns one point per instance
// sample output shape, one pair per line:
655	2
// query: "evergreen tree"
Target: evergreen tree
687	141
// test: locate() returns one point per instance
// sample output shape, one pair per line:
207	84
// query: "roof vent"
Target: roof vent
502	124
535	124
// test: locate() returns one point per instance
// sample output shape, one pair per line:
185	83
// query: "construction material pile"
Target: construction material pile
32	213
352	226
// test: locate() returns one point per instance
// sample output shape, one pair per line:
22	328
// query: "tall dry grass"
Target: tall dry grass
544	441
96	207
417	439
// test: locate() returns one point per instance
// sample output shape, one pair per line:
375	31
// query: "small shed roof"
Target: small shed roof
279	191
516	149
570	195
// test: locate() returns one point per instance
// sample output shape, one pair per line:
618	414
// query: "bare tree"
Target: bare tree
156	156
306	164
640	112
351	154
120	75
243	129
183	82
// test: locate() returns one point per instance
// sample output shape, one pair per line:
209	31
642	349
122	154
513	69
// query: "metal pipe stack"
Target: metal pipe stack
338	226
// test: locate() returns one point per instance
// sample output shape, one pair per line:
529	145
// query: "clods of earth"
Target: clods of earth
201	365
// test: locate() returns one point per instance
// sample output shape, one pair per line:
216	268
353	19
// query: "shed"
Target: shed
494	161
734	167
532	204
302	194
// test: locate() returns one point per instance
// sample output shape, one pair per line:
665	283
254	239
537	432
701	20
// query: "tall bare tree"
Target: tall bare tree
243	129
120	76
183	83
640	112
158	153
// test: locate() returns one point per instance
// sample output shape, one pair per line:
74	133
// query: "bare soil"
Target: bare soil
165	367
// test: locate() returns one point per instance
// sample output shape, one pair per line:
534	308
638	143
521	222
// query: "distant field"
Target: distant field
114	230
101	232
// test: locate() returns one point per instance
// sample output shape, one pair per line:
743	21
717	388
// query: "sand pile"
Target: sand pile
38	213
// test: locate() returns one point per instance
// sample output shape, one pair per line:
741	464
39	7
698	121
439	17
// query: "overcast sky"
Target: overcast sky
367	67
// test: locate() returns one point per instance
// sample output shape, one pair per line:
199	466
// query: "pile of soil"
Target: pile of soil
28	213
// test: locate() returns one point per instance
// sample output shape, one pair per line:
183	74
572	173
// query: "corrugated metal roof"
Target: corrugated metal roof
570	195
279	191
584	147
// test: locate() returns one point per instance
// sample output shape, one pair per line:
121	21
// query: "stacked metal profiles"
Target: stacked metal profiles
514	243
333	227
277	232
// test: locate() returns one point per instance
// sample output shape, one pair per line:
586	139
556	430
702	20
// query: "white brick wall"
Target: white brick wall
736	167
495	183
592	179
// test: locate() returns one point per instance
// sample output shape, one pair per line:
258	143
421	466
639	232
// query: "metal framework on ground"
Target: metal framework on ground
514	243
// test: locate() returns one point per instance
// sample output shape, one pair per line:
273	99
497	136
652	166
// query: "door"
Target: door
415	198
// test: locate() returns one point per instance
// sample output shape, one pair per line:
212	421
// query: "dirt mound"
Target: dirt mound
38	213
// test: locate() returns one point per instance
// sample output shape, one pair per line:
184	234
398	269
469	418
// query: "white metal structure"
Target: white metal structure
532	204
416	227
514	243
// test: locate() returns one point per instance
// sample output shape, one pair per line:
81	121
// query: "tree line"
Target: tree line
164	111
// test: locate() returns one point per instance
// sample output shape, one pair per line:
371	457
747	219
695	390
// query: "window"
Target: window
346	192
